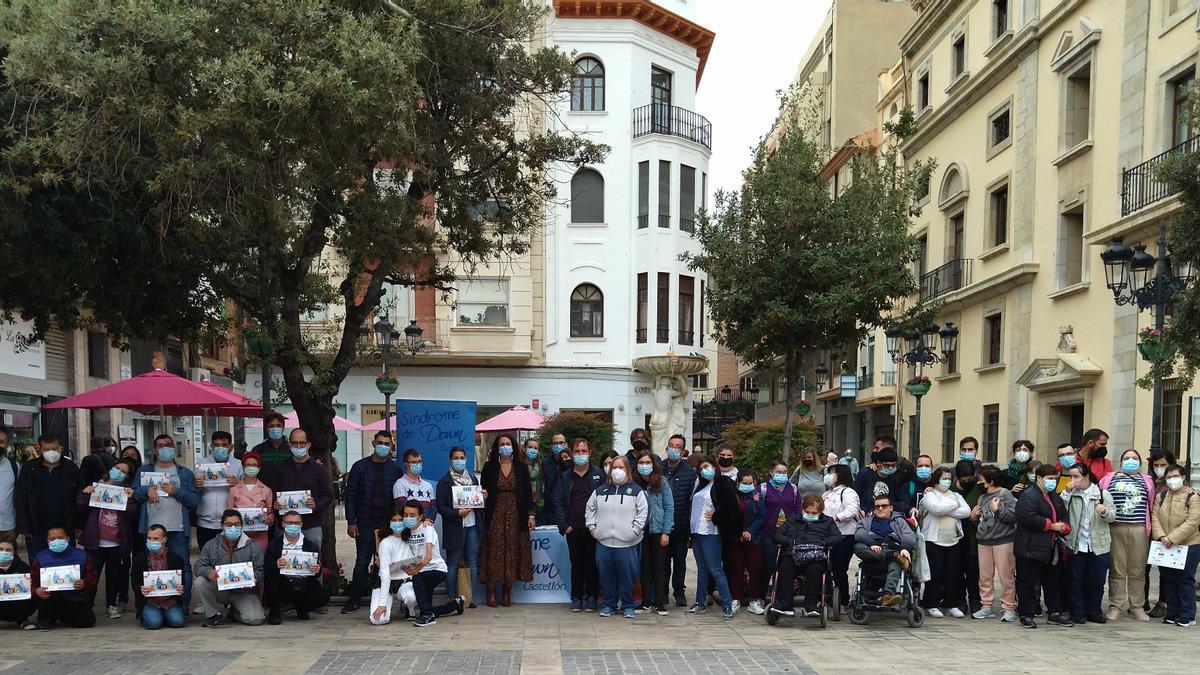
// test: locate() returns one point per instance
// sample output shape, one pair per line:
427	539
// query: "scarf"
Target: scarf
464	478
1015	472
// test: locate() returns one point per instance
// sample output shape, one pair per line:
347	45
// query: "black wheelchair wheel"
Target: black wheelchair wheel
915	617
824	615
835	603
858	616
772	617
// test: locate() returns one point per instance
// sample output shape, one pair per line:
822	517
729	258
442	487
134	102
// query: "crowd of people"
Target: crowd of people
1052	534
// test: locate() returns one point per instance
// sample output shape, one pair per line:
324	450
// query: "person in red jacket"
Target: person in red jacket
1094	453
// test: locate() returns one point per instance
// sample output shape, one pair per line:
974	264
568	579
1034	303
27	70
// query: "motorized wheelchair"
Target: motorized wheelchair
827	604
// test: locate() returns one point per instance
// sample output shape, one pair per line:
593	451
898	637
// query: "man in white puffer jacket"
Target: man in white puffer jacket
616	516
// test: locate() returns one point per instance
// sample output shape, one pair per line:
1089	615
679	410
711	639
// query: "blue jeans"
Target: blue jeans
454	557
364	550
179	544
707	549
1179	587
153	618
1086	574
619	569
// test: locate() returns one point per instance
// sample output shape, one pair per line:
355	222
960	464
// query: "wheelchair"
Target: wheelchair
867	595
827	604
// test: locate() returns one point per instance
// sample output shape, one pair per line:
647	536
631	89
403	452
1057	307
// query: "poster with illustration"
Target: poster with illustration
111	497
467	496
60	578
15	587
253	519
234	576
295	500
298	563
216	473
163	583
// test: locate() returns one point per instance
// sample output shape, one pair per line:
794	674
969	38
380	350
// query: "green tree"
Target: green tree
793	269
576	424
758	445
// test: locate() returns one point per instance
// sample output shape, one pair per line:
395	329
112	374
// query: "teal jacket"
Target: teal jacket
662	508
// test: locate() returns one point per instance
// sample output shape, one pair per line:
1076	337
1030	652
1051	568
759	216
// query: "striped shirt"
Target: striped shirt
1129	499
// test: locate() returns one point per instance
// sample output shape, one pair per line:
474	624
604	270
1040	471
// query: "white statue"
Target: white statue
668	417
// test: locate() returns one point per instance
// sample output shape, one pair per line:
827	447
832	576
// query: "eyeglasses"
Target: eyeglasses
300	444
881	507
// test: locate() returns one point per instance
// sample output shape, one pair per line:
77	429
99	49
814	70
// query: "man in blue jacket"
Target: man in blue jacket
680	475
368	505
168	504
575	487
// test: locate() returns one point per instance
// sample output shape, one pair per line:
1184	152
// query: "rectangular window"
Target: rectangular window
1172	410
664	194
97	354
700	381
482	302
1077	108
703	312
999	18
1183	126
914	442
923	91
999	128
643	305
922	264
998	215
687	198
991	432
956	243
949	449
993	336
958	56
704	190
643	195
664	307
687	310
1071	265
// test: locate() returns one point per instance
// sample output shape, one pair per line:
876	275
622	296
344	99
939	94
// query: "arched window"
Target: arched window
587	197
587	311
587	85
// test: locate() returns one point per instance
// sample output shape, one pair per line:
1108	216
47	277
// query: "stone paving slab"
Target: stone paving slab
683	661
119	663
449	661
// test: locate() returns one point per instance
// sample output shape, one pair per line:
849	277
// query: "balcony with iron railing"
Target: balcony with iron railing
888	378
640	335
643	222
672	120
1139	187
945	279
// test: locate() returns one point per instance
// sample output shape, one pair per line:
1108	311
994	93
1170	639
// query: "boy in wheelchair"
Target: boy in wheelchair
884	537
804	540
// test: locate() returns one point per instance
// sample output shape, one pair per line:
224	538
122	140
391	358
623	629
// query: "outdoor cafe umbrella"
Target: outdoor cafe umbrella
292	421
380	425
518	418
164	393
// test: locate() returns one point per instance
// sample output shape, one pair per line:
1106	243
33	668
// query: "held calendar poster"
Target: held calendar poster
15	587
108	497
467	496
295	500
61	578
163	583
234	576
254	519
298	563
213	472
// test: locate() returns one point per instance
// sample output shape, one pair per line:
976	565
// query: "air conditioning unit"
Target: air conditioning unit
199	374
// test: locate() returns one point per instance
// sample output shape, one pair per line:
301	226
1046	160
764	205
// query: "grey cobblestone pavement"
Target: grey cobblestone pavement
683	661
449	661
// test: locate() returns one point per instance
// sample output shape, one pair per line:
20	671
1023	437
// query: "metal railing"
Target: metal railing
672	121
889	378
1139	188
687	224
686	337
949	277
665	222
640	335
866	381
663	334
643	222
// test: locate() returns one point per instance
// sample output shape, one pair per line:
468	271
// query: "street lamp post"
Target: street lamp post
1137	278
386	339
920	350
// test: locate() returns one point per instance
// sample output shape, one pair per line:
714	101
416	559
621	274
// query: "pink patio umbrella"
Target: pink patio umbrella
292	421
164	393
379	426
518	418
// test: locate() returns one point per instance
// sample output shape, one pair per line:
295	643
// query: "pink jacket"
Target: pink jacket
1149	482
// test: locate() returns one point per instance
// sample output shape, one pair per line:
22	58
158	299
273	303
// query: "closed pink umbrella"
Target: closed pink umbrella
518	418
292	421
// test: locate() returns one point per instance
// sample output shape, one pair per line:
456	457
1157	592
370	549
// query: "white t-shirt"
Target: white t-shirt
394	551
701	504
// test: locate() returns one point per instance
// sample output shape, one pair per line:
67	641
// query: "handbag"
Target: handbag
804	554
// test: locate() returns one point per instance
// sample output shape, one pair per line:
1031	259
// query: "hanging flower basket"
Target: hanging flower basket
918	386
387	384
1153	346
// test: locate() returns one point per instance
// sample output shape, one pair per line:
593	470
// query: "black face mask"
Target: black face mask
874	457
967	484
809	462
1098	452
725	462
639	445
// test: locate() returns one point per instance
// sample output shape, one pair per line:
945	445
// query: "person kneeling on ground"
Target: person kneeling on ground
15	611
155	612
231	547
72	607
885	536
301	588
413	550
805	540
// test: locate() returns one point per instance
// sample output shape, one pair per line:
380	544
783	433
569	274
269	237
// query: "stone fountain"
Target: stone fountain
671	387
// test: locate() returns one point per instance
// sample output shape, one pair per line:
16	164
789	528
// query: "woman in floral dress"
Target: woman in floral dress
509	514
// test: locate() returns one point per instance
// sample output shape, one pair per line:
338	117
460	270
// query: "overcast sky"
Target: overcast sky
756	53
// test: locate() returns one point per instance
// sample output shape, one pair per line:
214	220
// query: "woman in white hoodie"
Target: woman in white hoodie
616	515
942	512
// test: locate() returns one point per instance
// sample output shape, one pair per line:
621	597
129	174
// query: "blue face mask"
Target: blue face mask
6	557
1050	484
745	489
1067	461
459	465
382	451
579	460
299	452
275	433
887	471
673	454
293	530
707	473
1130	465
116	475
416	468
778	479
58	545
410	522
924	472
397	527
559	448
810	517
531	453
645	469
220	453
166	454
506	451
233	532
154	546
969	456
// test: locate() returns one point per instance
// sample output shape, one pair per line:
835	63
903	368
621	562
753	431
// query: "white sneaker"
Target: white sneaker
756	607
733	608
1010	616
114	612
934	612
956	613
984	613
198	609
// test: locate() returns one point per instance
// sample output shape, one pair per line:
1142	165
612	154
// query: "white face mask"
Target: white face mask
52	456
1159	471
618	475
828	480
1174	483
1022	456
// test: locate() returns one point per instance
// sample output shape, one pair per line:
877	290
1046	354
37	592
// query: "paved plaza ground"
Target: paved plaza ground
549	639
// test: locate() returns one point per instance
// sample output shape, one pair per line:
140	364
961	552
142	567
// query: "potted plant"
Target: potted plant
919	385
1153	346
387	384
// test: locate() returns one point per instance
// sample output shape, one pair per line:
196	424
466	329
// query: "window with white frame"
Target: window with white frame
1076	109
1000	128
1071	248
482	302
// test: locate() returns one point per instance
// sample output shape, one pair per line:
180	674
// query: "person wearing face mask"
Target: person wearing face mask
509	515
885	479
808	477
554	465
251	493
10	468
529	456
742	555
714	511
274	446
45	494
725	463
102	452
659	527
1133	498
412	487
410	557
302	472
843	506
1018	465
781	500
616	515
1094	452
214	494
941	515
1066	459
1039	549
812	529
460	527
681	477
916	486
70	607
231	547
968	450
1159	461
14	611
997	523
1175	520
966	484
1090	510
575	489
170	503
302	590
368	507
108	537
849	460
639	444
157	611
